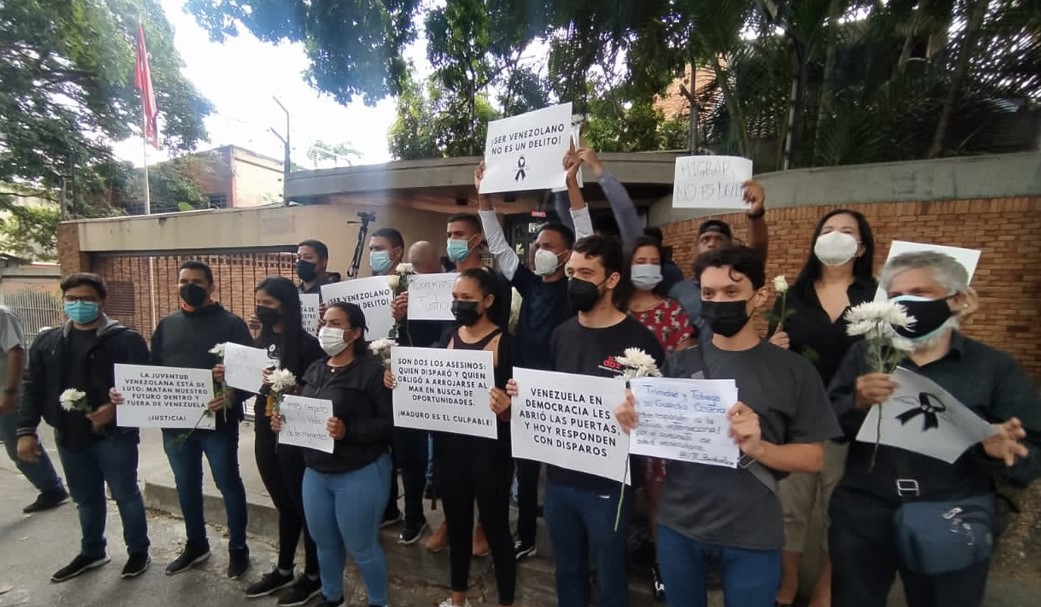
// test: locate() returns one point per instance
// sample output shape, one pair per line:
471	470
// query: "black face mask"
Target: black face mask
582	294
465	312
268	316
929	315
193	295
725	317
306	270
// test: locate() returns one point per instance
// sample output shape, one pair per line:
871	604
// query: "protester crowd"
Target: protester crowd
588	292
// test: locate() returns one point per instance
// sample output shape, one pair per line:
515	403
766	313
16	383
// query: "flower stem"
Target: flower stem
621	496
878	439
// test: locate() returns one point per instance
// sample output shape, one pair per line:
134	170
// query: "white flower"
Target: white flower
901	343
877	318
781	284
218	350
70	398
282	380
637	363
382	346
404	268
393	280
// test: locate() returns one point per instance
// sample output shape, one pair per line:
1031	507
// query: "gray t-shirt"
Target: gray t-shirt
730	506
10	337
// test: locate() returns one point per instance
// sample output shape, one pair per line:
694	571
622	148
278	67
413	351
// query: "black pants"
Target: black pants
865	563
466	471
527	500
282	470
411	454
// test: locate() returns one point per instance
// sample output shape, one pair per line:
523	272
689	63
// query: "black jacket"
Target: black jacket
184	339
48	378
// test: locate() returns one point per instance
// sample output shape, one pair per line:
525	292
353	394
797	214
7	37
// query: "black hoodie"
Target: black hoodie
50	374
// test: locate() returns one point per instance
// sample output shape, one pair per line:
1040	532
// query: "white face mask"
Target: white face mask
646	276
546	262
835	248
331	339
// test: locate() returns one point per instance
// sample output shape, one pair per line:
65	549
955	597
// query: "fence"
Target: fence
37	308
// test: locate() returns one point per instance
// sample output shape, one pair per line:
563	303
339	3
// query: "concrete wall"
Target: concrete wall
257	179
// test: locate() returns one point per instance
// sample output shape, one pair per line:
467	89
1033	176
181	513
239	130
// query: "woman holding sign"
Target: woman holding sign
282	466
345	491
470	468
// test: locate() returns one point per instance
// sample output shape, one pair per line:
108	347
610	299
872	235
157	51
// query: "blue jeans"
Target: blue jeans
582	523
222	451
113	461
750	577
343	514
41	474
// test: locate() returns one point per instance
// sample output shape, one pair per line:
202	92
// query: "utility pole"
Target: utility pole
287	163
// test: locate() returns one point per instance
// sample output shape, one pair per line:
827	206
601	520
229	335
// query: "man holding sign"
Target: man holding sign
82	356
733	513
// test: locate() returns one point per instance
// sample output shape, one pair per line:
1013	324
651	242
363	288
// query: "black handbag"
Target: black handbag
935	537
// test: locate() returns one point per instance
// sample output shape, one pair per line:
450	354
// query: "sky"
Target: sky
226	74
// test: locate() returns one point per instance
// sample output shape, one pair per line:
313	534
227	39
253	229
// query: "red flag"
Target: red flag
143	80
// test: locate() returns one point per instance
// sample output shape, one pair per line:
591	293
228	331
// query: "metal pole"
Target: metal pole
287	163
144	150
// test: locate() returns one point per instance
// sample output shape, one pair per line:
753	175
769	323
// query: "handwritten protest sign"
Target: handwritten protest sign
373	295
444	390
924	418
968	258
244	367
164	397
304	422
526	152
567	420
710	182
430	296
309	304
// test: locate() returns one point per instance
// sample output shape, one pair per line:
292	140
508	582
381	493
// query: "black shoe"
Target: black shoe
46	501
79	565
411	533
327	603
657	585
268	584
391	517
523	551
191	555
136	565
238	562
301	592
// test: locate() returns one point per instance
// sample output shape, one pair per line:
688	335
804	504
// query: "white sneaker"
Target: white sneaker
448	603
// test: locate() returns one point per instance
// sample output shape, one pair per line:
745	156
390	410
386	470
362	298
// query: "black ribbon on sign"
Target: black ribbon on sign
927	405
520	169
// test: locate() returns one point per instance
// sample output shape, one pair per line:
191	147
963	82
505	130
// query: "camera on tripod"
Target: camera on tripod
366	217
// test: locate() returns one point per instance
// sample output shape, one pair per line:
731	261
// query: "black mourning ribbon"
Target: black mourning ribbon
927	405
521	162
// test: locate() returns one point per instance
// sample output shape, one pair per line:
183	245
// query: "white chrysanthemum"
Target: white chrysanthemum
382	346
70	397
866	317
781	284
282	380
902	343
404	268
637	363
393	280
218	350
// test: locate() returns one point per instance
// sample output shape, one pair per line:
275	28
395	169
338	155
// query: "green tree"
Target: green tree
30	232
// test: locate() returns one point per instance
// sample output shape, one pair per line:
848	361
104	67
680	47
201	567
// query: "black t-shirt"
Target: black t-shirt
78	430
544	308
585	351
308	350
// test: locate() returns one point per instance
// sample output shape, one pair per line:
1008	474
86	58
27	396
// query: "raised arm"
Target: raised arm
621	204
582	222
758	236
500	249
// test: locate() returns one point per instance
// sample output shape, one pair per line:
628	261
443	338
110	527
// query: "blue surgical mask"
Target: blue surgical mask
380	262
82	312
457	249
646	276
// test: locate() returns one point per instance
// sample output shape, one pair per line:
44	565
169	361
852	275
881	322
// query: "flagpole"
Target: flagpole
148	199
144	149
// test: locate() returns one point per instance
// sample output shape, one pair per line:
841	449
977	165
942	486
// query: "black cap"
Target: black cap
716	225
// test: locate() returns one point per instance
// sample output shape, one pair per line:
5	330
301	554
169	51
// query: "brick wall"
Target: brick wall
1007	230
70	258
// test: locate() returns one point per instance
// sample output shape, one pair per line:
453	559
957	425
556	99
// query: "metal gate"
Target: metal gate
37	308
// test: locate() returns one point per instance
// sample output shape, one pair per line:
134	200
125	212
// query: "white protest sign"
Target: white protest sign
567	420
309	305
526	152
373	295
444	390
164	397
685	420
244	367
304	423
430	296
924	418
969	258
710	182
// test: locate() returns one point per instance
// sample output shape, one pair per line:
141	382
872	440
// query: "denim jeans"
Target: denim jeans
222	451
113	461
750	577
41	473
343	513
582	524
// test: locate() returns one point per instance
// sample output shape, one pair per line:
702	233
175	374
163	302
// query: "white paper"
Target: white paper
373	295
164	397
568	421
969	258
430	296
710	182
309	305
526	152
924	418
244	367
444	390
305	421
685	420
